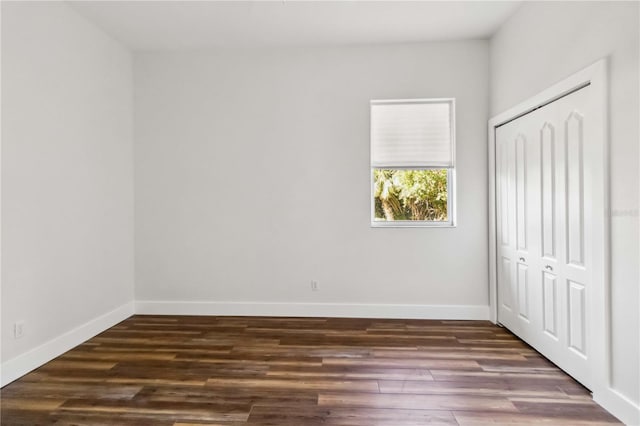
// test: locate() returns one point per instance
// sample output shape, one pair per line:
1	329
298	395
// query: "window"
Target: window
412	162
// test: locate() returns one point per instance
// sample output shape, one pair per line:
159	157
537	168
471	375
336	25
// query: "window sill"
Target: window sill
412	224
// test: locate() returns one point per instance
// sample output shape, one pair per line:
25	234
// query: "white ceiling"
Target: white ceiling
162	25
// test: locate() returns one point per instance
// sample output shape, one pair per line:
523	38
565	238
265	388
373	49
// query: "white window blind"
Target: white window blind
412	133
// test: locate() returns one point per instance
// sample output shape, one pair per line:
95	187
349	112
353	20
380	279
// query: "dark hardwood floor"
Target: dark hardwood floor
169	370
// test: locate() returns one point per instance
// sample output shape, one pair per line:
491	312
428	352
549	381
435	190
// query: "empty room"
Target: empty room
304	213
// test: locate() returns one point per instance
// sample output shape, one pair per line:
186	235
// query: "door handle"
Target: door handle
522	259
549	267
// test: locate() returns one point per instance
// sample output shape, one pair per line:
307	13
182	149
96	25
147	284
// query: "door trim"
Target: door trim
594	76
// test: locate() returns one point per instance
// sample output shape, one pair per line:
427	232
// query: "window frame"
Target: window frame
451	172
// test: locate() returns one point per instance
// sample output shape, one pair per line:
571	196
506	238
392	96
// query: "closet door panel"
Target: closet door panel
521	192
523	291
550	305
574	167
548	183
577	340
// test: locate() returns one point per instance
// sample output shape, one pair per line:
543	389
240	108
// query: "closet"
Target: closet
548	167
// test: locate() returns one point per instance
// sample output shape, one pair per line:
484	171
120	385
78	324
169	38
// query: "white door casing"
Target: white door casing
549	242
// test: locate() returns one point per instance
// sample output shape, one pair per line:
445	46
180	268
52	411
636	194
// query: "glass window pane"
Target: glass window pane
410	195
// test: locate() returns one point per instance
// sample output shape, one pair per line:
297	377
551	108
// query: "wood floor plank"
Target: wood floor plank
556	376
412	401
351	372
267	371
161	410
487	388
31	404
300	383
448	354
478	418
403	363
389	417
64	391
349	417
96	355
222	395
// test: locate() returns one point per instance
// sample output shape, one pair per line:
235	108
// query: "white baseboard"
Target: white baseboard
339	310
619	405
24	363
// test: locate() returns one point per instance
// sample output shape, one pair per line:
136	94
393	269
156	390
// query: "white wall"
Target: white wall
252	178
540	45
67	179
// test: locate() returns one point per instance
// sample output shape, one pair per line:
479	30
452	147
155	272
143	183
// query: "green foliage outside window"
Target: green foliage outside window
410	194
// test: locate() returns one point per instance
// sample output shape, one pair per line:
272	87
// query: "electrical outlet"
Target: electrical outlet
18	329
315	286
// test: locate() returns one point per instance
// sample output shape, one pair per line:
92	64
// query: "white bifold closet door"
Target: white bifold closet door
543	231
